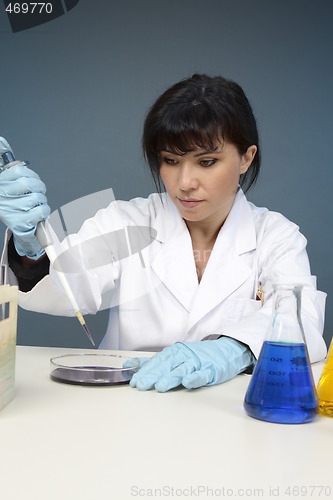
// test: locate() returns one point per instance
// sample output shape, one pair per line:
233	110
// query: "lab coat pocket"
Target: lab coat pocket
242	307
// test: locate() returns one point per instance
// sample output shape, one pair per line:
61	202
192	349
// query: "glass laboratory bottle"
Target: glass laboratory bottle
282	389
325	387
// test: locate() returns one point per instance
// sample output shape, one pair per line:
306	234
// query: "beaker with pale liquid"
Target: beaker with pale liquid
282	389
325	386
8	324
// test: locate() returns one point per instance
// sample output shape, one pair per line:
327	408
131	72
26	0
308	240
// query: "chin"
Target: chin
193	218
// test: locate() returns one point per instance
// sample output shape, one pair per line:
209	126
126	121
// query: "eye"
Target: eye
208	163
169	161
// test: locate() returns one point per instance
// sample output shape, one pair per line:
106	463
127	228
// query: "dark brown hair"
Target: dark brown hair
199	112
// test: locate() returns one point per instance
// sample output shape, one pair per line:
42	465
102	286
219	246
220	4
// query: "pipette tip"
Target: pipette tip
89	334
83	323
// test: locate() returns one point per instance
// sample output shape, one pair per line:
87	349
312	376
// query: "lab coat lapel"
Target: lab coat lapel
174	263
226	269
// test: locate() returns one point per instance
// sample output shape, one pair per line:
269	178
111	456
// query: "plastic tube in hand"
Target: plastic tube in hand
44	238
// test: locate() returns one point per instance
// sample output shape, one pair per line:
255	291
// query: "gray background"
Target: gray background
74	93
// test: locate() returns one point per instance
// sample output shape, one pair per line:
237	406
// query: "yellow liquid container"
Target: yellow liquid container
325	387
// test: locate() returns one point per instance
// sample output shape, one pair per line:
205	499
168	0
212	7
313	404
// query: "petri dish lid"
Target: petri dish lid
92	369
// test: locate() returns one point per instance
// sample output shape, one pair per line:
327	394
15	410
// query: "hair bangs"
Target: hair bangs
187	129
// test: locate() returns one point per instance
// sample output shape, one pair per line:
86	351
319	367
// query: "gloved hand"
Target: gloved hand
22	205
192	364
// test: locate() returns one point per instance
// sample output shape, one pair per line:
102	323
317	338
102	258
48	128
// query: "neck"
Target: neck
203	232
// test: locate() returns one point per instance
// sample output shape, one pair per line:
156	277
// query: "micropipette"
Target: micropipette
46	242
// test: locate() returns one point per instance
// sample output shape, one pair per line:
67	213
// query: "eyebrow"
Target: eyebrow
213	151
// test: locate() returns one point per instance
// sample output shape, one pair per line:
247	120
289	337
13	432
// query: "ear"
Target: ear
247	158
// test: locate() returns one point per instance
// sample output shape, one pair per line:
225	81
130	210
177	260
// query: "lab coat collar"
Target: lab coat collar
225	271
174	263
238	230
167	219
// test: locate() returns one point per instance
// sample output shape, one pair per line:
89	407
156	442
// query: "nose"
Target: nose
187	178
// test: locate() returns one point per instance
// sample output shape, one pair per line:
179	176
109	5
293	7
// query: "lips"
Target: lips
189	202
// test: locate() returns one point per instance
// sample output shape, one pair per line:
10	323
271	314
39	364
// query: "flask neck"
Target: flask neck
286	325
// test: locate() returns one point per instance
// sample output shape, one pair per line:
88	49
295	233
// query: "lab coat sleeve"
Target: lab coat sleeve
282	258
93	276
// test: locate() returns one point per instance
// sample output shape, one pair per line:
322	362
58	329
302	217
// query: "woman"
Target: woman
201	289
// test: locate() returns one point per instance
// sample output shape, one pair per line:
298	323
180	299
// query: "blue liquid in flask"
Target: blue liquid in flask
281	389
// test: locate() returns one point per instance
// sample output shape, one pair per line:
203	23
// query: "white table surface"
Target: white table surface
60	441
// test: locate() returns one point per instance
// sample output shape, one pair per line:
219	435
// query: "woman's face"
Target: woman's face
203	184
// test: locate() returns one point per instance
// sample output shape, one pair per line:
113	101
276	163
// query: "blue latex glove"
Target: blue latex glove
193	365
22	205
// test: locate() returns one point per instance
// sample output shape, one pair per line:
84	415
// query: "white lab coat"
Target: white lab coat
156	298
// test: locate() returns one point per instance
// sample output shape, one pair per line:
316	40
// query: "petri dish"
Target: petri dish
92	369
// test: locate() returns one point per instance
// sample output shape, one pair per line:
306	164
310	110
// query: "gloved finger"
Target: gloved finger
24	203
175	378
159	365
21	186
4	146
21	223
17	171
166	375
151	371
143	383
27	220
198	378
159	359
133	362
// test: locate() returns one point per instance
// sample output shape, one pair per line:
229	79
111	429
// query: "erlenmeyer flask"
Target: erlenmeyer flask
325	387
282	389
